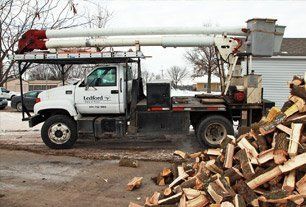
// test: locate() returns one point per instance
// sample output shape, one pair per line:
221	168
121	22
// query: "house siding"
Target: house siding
276	73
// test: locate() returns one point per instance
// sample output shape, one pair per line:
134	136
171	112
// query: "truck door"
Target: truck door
100	95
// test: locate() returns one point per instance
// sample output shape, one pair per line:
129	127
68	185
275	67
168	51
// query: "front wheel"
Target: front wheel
59	132
213	129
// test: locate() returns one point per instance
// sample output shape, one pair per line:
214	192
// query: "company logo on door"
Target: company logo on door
96	99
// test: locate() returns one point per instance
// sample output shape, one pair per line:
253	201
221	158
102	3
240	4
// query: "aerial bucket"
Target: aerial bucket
279	33
261	37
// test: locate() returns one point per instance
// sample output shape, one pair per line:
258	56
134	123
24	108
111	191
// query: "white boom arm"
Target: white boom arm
236	31
164	41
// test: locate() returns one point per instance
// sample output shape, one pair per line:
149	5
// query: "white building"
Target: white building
278	70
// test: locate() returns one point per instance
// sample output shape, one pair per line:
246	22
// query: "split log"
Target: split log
299	102
174	170
292	109
238	201
293	163
233	174
244	144
134	183
167	192
217	194
224	184
153	200
296	118
192	193
270	126
265	156
273	113
248	195
262	143
301	185
229	153
285	129
297	81
214	152
191	183
265	177
127	162
178	180
280	148
289	182
181	154
171	200
183	202
245	165
199	201
229	139
211	165
195	155
227	204
166	172
181	171
295	198
299	91
294	139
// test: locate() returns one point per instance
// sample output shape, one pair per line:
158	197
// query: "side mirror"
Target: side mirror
7	91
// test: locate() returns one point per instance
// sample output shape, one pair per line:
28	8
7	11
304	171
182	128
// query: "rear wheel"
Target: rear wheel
212	129
19	107
59	132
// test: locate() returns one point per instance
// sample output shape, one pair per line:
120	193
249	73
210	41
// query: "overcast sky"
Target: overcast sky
144	13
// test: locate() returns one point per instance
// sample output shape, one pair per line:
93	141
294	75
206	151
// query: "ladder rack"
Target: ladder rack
77	58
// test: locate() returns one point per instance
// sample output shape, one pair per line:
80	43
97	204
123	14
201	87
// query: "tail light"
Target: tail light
37	100
239	96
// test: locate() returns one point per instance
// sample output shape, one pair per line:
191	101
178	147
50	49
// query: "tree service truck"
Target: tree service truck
110	101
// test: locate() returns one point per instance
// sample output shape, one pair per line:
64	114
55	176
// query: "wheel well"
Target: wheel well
51	112
196	117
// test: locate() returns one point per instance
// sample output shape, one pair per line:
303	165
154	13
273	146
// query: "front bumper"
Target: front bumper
36	119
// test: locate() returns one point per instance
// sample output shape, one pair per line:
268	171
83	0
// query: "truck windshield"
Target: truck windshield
104	76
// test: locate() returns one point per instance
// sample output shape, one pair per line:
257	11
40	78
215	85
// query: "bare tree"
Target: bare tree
18	16
147	76
204	61
177	74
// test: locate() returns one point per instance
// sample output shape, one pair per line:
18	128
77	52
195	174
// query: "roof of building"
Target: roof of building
293	47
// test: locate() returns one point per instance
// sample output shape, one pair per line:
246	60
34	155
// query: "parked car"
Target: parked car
29	100
4	93
3	103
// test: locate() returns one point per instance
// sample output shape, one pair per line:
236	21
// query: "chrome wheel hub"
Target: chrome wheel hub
59	133
214	133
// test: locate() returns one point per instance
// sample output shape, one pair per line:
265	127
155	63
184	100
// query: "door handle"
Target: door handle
120	84
114	91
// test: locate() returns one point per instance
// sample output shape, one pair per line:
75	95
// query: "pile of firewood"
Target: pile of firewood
265	167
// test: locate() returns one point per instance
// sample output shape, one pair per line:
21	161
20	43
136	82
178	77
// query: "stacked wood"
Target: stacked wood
264	167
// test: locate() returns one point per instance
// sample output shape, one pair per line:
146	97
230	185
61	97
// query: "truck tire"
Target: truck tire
212	129
59	132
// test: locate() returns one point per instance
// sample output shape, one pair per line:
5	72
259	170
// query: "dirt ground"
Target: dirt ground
30	179
31	174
